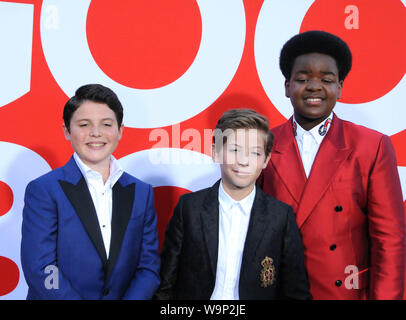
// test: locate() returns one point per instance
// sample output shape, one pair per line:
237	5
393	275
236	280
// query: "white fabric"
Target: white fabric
308	143
102	195
233	226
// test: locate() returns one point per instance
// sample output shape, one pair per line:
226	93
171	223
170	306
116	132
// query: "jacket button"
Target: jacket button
339	283
338	208
333	247
105	291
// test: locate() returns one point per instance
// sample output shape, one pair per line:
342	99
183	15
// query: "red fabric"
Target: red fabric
350	210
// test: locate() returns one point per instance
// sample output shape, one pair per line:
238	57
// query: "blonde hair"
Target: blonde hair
234	119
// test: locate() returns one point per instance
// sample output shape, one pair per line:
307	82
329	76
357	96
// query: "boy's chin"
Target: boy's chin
238	184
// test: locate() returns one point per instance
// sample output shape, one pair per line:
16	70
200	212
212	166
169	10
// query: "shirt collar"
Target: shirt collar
115	170
226	202
318	132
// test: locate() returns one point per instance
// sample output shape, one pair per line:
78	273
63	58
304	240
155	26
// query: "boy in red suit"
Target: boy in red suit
340	178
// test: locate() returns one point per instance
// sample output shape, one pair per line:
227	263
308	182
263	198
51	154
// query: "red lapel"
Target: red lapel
286	160
332	153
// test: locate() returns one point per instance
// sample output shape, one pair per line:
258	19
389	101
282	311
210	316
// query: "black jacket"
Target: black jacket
272	265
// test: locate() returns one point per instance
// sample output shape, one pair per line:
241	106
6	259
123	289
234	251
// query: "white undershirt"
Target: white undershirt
233	226
308	143
102	195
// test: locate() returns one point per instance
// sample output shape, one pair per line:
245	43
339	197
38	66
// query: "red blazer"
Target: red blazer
349	211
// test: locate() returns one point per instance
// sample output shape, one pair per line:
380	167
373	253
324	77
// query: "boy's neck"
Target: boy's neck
102	168
105	172
237	193
308	124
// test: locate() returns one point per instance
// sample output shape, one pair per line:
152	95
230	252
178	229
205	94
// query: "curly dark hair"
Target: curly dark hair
316	41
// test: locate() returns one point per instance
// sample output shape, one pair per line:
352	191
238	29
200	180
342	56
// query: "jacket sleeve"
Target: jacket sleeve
293	277
386	217
146	279
38	246
171	251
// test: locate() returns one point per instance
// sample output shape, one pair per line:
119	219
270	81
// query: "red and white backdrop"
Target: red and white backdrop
177	66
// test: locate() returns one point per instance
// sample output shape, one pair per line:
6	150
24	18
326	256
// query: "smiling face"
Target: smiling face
313	88
94	134
242	159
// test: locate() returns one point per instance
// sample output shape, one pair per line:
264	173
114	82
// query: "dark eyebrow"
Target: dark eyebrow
303	71
252	147
328	73
323	72
86	119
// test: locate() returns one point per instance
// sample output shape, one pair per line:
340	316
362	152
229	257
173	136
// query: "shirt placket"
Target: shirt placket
101	191
233	243
307	141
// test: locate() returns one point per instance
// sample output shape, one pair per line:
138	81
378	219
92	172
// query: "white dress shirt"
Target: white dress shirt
102	195
309	142
233	226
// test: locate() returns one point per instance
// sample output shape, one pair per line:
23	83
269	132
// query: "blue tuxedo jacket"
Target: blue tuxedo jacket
60	228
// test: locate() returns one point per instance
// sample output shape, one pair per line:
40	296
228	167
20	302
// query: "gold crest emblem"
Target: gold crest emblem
267	272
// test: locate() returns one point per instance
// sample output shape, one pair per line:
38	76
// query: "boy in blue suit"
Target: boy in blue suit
89	228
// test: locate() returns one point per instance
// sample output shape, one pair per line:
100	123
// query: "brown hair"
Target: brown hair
234	119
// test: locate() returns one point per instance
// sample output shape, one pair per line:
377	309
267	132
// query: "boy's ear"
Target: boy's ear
340	88
66	132
266	161
214	154
287	94
121	129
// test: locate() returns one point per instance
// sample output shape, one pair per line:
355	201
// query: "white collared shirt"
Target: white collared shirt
233	226
309	142
102	195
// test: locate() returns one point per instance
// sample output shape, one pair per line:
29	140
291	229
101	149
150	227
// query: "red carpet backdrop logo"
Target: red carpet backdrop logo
176	66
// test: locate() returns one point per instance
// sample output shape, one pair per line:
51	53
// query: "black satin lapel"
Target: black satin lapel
210	223
81	200
257	224
123	199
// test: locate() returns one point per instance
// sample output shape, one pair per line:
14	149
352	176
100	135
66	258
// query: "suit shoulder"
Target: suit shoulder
281	133
46	185
363	138
127	178
275	203
360	131
279	213
281	128
202	198
47	178
142	189
195	197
